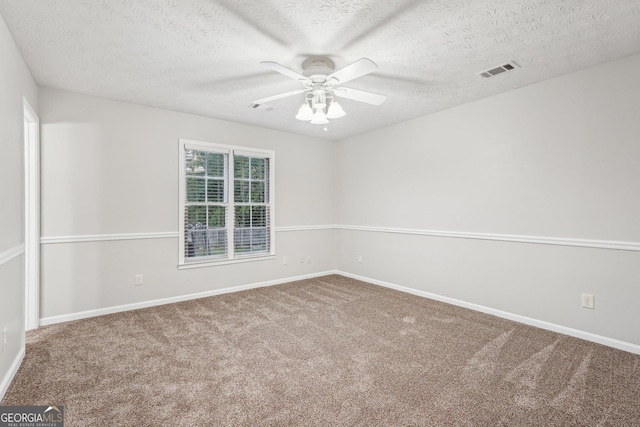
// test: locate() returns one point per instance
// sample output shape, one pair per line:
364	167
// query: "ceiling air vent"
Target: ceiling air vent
261	107
499	70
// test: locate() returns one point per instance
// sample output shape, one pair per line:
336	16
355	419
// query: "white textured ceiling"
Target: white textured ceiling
203	56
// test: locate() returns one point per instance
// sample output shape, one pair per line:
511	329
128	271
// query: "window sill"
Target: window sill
213	263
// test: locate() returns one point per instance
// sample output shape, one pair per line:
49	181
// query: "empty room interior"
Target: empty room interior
321	212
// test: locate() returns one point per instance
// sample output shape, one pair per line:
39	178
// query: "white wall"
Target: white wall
557	159
110	167
15	82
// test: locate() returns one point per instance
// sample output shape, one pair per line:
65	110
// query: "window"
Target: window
226	203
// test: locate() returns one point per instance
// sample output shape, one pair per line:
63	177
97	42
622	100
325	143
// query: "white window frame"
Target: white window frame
231	258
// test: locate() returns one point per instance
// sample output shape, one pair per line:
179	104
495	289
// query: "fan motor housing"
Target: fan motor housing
317	68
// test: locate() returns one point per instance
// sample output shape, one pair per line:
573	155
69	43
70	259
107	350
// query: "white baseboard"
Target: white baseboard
611	342
6	381
144	304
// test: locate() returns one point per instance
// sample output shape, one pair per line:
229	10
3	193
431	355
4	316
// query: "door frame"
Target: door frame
32	216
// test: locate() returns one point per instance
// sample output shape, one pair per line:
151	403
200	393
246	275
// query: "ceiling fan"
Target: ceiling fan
322	84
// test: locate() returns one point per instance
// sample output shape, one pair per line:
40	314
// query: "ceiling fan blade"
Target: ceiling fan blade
359	68
284	70
359	95
274	97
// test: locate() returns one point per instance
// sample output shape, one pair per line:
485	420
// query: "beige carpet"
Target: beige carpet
321	352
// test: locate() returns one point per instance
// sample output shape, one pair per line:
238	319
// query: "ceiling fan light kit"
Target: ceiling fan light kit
335	111
322	84
320	106
305	112
319	118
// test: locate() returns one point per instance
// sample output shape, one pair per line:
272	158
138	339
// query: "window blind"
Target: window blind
207	204
226	202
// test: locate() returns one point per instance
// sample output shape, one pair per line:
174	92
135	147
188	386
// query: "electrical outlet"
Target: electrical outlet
587	300
285	260
360	259
138	280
